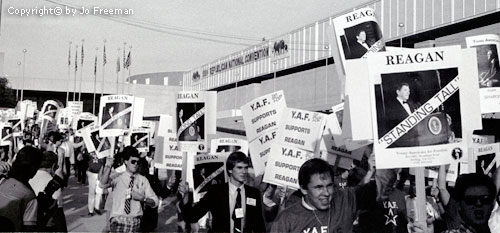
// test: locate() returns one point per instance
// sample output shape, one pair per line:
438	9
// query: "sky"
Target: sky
173	35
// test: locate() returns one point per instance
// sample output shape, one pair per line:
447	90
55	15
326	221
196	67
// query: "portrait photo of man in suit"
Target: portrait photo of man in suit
359	39
113	109
400	107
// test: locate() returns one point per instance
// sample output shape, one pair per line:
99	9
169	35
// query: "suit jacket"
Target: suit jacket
216	200
357	50
396	113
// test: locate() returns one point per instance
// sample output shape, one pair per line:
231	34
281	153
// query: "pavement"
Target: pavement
76	211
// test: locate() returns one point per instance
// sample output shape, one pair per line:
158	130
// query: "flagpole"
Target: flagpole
124	74
129	68
76	68
117	70
95	80
69	73
81	75
103	65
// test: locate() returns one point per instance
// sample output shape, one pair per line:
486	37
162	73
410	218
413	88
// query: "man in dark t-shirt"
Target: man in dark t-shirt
323	207
95	165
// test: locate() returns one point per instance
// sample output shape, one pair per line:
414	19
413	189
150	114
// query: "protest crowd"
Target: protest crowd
299	171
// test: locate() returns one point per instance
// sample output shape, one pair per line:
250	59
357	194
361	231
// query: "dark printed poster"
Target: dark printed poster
116	116
359	39
401	94
195	130
486	164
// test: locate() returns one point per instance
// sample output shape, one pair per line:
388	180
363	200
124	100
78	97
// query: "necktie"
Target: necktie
405	102
237	205
127	201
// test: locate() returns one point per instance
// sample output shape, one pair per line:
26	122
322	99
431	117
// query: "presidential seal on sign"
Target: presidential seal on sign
435	125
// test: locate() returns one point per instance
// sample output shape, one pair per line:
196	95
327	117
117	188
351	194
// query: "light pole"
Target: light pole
401	26
326	75
18	75
24	67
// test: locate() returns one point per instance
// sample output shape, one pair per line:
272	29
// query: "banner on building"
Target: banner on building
488	67
418	108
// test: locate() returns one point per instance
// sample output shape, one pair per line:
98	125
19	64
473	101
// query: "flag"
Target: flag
76	60
104	61
118	64
95	65
124	58
128	62
69	56
82	53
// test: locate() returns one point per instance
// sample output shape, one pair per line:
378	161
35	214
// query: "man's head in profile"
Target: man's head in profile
111	110
403	91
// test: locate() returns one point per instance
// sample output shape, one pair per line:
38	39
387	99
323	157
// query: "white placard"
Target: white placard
487	158
75	107
488	67
139	138
358	34
262	114
17	125
407	88
300	128
96	144
483	139
192	120
6	136
260	148
64	119
81	121
209	170
115	115
283	165
221	145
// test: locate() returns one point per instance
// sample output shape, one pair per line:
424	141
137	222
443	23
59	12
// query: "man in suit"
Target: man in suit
235	207
360	46
400	108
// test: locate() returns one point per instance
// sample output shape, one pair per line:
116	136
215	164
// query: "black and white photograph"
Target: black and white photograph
6	134
100	144
202	175
82	123
359	39
486	164
186	113
16	125
113	116
401	94
140	140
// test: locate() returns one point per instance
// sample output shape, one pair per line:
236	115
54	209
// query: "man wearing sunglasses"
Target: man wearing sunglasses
475	194
130	191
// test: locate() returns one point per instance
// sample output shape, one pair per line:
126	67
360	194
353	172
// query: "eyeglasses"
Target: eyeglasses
134	161
472	200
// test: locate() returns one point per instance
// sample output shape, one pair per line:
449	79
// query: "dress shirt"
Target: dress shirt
406	106
120	186
232	202
40	181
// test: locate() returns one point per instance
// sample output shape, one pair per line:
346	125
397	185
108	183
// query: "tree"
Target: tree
7	94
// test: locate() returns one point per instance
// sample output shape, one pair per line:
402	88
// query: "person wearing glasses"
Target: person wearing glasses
475	196
130	192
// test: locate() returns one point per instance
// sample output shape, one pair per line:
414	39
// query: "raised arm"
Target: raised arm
443	192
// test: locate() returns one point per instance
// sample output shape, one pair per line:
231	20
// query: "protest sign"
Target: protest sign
75	107
209	170
138	138
167	154
300	128
64	118
358	34
101	146
27	108
329	145
47	117
150	126
260	149
17	125
483	139
6	136
488	67
487	158
335	160
341	128
211	112
192	120
81	121
115	115
283	165
261	115
228	145
418	114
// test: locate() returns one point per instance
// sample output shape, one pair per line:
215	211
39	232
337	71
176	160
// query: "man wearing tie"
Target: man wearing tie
359	47
235	207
